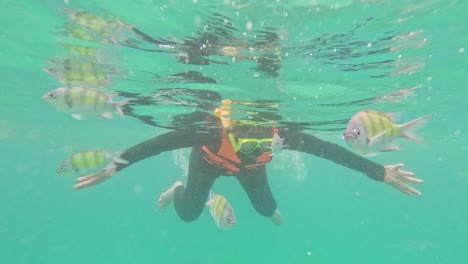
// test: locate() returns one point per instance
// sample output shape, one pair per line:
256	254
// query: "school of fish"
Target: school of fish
84	77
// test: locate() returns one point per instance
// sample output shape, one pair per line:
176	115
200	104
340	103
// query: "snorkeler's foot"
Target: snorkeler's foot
168	196
277	218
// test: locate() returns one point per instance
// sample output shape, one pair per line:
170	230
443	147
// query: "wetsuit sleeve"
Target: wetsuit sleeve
307	143
166	142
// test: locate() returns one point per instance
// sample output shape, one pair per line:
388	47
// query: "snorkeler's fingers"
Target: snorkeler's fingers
86	178
105	173
408	190
411	191
89	183
395	167
404	188
412	180
93	179
89	177
405	173
84	184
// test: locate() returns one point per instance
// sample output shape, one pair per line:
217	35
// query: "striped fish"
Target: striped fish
74	31
80	101
221	211
104	27
81	50
81	70
90	161
370	131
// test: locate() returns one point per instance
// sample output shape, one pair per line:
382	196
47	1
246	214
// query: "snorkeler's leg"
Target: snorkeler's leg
255	184
189	201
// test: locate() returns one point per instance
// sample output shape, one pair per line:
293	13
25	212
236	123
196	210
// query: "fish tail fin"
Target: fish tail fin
117	159
118	106
78	116
110	166
407	130
107	115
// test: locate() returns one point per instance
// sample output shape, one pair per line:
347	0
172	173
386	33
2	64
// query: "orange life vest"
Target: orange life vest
226	156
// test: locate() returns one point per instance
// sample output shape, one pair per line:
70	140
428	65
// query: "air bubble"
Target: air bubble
138	188
249	26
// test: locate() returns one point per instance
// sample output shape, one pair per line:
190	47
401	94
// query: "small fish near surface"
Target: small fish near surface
106	26
80	101
371	131
277	144
189	77
221	211
80	69
90	161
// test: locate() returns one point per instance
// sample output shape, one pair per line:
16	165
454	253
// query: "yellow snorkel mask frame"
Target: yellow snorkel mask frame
248	145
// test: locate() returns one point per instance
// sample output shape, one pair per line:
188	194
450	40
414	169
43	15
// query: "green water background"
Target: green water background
336	215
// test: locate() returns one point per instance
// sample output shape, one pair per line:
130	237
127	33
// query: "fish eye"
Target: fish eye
66	64
356	132
77	170
49	70
52	95
228	220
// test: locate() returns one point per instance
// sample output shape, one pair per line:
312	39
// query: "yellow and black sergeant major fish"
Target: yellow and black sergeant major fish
371	131
221	211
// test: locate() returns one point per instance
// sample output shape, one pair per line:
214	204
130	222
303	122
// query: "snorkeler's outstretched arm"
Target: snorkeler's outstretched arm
166	142
170	141
390	174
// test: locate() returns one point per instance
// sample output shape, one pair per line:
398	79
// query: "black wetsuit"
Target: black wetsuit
190	200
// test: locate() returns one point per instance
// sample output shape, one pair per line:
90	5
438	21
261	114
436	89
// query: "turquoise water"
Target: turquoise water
328	60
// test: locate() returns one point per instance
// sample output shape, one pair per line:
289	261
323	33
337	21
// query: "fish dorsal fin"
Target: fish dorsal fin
393	116
117	159
78	116
210	198
107	115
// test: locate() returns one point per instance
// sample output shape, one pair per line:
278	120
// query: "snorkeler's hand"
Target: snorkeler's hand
93	179
398	179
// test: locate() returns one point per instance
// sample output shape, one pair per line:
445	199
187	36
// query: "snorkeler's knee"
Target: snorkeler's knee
188	217
187	211
265	210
